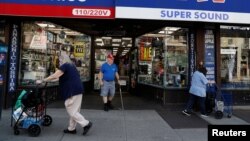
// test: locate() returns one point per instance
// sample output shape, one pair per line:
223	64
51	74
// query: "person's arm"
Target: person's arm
100	77
54	76
117	77
204	79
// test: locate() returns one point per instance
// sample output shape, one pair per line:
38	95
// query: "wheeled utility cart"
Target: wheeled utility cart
29	112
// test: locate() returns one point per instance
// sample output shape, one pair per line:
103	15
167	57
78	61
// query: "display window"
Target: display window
235	56
2	31
41	46
163	57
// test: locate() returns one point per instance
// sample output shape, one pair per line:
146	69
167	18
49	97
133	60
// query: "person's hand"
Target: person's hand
39	82
119	83
101	82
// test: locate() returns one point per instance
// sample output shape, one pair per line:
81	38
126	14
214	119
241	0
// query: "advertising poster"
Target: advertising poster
210	56
79	49
145	53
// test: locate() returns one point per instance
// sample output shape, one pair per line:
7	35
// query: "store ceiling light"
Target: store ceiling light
46	25
116	45
171	28
73	33
124	38
98	40
106	37
116	40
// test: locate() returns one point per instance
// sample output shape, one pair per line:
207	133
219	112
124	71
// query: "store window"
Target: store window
2	31
163	57
41	46
235	56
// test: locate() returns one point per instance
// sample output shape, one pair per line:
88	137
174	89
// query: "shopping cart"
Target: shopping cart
223	104
210	98
30	111
228	103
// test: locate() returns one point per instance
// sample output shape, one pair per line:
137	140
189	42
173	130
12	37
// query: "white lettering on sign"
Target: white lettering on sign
13	59
91	12
230	133
192	54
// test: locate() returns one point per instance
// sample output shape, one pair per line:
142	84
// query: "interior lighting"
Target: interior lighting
46	25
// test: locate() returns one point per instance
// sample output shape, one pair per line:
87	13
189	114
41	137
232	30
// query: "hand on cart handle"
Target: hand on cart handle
38	82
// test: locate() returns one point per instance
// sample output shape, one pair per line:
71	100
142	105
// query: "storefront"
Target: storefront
166	42
211	32
234	61
34	43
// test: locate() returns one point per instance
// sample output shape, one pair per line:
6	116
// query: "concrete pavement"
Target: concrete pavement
132	125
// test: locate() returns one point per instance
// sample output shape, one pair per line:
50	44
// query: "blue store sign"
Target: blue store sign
192	55
210	55
221	11
13	57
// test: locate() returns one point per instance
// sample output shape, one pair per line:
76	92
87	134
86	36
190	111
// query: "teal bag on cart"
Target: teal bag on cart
19	99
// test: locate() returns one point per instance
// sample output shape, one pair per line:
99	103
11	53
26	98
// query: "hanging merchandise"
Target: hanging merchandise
39	40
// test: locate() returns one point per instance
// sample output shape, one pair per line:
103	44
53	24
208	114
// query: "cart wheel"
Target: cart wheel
47	120
34	130
218	114
16	132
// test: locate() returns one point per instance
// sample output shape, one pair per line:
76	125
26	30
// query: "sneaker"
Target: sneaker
69	132
86	128
205	116
185	112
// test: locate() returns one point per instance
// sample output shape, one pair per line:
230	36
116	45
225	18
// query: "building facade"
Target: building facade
164	42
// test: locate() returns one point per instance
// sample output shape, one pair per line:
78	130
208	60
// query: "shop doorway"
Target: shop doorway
120	49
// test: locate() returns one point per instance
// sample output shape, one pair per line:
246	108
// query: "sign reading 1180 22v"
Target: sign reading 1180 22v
91	12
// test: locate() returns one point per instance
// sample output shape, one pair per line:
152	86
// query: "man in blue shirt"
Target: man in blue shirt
107	75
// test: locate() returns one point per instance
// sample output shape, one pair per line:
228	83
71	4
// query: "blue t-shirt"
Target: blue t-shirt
109	71
70	83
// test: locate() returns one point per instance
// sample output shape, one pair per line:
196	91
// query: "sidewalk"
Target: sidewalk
132	125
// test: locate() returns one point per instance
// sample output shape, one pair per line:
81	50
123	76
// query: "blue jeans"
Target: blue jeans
192	99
